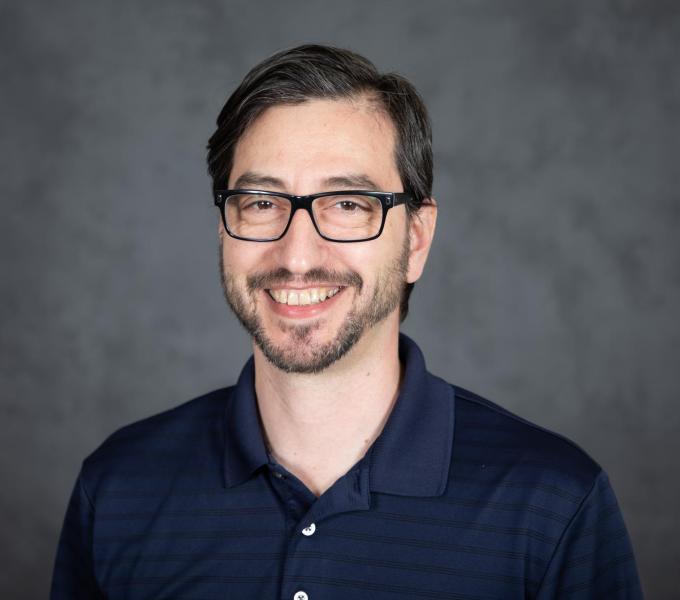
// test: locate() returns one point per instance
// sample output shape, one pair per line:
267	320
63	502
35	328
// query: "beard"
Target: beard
302	354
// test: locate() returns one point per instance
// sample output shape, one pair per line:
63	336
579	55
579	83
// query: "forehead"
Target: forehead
319	139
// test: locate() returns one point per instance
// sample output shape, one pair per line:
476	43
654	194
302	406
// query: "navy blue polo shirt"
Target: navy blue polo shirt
457	499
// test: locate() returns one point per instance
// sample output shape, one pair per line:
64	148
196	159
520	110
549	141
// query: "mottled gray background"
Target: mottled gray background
554	282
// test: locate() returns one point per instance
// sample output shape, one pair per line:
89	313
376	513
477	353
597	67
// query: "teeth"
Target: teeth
303	297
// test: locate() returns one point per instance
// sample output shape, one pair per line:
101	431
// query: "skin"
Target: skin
319	423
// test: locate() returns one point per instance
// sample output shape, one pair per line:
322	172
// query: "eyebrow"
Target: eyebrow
254	179
352	180
346	181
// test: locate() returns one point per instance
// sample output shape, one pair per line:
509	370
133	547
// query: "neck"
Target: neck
318	426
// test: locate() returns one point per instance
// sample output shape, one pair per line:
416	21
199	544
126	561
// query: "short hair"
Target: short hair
314	71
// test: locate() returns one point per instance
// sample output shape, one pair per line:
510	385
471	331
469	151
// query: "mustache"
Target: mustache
282	276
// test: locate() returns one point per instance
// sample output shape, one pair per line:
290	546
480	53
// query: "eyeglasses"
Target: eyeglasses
345	216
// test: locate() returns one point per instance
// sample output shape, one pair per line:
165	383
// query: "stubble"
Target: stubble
301	354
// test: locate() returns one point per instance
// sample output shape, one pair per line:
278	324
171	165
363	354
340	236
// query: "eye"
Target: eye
348	205
351	206
258	205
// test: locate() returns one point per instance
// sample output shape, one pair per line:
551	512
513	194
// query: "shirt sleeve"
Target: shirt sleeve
594	558
73	576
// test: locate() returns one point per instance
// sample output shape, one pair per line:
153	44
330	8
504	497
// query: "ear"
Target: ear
421	233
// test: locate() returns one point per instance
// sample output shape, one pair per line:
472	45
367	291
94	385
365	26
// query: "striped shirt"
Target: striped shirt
457	499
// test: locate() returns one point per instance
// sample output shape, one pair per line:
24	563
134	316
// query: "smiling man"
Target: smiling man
337	467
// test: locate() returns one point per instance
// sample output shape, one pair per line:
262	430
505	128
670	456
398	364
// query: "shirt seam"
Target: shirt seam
81	483
567	527
93	512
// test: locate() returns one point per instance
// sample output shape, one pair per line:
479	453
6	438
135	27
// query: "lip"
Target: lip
305	287
301	312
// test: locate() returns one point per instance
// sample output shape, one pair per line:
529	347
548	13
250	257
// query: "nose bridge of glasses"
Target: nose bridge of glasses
303	203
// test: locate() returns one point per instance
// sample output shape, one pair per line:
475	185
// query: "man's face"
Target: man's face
317	146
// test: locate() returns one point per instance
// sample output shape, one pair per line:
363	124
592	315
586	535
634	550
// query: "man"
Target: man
337	467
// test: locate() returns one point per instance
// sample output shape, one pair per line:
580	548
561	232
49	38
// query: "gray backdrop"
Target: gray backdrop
554	282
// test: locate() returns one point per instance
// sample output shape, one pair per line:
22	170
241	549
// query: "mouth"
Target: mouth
303	297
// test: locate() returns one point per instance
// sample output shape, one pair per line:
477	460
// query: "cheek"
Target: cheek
237	258
227	256
370	258
364	260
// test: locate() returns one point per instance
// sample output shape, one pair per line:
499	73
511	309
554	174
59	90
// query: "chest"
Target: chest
264	540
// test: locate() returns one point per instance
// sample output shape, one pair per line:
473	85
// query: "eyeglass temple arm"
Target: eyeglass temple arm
401	198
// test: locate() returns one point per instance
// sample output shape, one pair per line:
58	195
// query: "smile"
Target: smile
303	297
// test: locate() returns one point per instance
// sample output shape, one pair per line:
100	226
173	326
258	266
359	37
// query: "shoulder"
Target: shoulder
162	427
535	494
161	442
488	436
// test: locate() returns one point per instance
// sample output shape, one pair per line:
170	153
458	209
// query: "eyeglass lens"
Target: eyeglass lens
341	217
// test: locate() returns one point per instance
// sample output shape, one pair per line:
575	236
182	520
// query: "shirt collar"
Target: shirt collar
245	451
411	456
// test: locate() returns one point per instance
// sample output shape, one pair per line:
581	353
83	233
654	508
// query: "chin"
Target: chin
305	350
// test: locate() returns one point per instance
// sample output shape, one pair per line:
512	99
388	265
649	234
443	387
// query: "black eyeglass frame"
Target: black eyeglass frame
387	201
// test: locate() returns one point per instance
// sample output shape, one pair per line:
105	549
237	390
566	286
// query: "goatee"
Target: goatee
302	354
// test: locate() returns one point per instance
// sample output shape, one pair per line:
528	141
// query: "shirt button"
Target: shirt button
300	596
309	531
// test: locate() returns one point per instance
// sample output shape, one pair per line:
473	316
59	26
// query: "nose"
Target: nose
302	248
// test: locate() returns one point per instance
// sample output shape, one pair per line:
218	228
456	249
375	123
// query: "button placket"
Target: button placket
348	494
